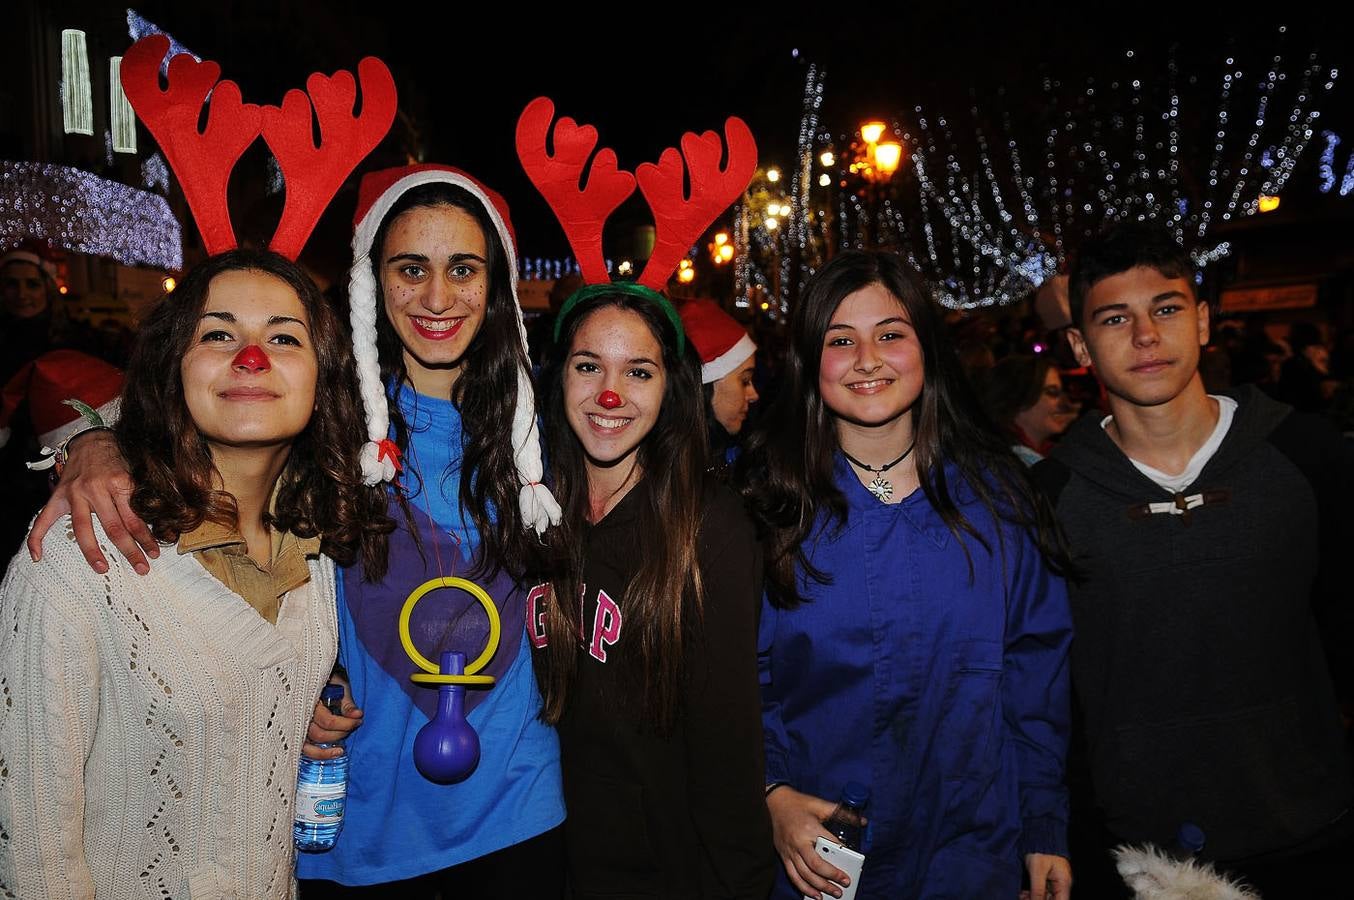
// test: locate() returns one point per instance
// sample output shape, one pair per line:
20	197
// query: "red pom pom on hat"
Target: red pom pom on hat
722	343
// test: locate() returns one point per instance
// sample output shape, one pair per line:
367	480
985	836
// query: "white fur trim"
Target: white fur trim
727	361
109	412
539	508
1153	875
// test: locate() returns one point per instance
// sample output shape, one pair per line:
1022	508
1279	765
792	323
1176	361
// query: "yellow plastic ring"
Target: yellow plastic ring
426	678
490	647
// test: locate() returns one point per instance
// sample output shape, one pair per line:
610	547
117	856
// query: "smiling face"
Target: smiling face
249	373
614	380
435	282
733	395
23	288
870	372
1142	331
1051	413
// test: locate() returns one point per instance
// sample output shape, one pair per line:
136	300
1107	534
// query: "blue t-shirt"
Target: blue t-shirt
398	824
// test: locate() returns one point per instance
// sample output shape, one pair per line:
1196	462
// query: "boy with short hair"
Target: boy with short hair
1207	530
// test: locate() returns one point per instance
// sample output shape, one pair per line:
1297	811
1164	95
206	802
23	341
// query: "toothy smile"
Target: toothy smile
437	329
869	387
607	423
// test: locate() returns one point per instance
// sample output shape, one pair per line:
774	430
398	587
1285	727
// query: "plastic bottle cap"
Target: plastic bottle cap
856	793
1190	837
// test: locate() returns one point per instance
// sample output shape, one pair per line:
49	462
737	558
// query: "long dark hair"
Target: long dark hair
665	596
485	394
786	475
320	491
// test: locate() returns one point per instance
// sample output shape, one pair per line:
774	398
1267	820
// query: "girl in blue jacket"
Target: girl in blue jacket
915	634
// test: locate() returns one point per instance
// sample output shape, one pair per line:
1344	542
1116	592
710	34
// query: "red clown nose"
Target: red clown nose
608	399
252	359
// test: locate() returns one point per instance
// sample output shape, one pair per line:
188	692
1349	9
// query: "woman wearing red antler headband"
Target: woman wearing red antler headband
140	703
441	353
657	565
152	725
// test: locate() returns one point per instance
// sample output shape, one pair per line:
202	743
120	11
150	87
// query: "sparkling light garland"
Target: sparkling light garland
1326	170
66	207
994	232
123	118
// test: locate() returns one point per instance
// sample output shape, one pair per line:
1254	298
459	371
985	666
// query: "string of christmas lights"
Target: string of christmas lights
987	231
73	209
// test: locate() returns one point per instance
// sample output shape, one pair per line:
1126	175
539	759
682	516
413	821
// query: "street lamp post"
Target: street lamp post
875	161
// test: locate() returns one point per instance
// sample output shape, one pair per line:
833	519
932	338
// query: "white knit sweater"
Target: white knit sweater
150	727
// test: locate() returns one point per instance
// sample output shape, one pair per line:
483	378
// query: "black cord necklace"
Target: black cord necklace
881	487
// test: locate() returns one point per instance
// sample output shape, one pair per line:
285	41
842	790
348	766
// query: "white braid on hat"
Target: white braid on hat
538	506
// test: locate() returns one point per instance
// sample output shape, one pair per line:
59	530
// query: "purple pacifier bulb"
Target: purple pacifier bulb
447	749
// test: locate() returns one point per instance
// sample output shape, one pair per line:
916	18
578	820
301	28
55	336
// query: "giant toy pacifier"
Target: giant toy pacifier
447	749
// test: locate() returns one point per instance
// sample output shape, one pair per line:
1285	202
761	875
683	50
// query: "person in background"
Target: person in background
728	361
915	635
1025	397
1211	535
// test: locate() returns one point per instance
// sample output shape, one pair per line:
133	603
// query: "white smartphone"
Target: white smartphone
844	858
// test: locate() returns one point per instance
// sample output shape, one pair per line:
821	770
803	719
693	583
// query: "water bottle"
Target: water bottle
321	789
847	822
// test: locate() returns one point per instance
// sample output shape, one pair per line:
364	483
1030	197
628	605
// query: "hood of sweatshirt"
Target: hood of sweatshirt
1088	451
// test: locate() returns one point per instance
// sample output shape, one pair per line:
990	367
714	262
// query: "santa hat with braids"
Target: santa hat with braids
377	195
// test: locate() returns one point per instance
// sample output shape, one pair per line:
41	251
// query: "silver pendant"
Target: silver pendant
881	488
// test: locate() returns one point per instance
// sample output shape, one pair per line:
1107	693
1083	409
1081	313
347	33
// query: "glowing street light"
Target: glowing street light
887	156
871	131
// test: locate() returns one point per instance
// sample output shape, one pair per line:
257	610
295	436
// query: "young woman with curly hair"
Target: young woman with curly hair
152	725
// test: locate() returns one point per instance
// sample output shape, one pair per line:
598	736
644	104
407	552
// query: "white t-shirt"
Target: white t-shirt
1177	483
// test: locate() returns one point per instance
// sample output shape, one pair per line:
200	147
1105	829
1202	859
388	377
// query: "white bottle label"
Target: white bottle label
320	804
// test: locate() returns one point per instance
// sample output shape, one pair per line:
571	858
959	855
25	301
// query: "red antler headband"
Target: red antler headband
203	161
679	219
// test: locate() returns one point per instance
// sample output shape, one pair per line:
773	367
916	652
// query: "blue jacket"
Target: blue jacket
947	696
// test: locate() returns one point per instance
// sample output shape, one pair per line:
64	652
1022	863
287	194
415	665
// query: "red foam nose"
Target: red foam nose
608	399
252	358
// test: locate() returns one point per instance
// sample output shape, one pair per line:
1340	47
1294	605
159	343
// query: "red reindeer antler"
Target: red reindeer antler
202	161
581	212
680	221
313	174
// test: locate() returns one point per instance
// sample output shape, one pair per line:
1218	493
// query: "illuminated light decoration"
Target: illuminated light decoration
625	268
984	234
120	111
721	238
773	175
1266	203
726	253
1326	170
871	132
63	290
827	159
69	208
771	223
77	98
824	180
167	284
686	272
154	173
